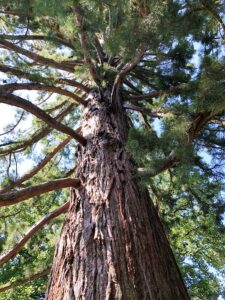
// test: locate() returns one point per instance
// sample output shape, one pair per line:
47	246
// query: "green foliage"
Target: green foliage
210	92
141	143
184	64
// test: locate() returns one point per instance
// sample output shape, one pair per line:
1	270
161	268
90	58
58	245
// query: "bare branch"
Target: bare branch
16	196
36	57
84	44
8	12
40	87
73	83
52	215
10	215
39	113
148	96
36	169
14	126
19	282
100	51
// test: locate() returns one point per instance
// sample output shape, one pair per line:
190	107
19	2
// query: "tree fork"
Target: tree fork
112	245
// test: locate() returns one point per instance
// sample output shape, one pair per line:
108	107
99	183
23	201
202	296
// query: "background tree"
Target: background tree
157	69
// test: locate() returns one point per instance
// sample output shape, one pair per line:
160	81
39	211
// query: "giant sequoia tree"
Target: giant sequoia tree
127	109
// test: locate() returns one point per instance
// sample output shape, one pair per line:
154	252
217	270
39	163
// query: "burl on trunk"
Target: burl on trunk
112	244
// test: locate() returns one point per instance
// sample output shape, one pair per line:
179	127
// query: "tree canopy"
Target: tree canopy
166	58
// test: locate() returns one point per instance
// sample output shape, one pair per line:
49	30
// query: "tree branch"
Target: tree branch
9	88
23	74
37	136
52	215
144	110
172	158
39	113
155	94
16	196
84	44
14	126
36	57
39	38
130	66
8	12
18	282
213	13
165	164
36	169
219	122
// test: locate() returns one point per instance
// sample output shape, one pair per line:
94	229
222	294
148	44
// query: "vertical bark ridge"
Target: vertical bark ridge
112	244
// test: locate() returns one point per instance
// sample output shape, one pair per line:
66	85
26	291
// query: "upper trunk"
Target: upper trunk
112	244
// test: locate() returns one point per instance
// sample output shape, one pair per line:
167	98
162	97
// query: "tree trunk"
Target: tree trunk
112	244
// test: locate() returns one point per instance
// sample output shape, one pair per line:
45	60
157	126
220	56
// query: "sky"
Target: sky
7	116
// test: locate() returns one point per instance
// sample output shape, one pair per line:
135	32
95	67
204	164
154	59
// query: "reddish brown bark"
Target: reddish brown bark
112	244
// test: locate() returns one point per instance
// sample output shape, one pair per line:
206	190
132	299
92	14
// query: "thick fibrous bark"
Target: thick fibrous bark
112	244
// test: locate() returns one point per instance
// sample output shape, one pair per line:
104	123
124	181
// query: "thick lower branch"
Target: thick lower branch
9	88
23	74
16	196
36	57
